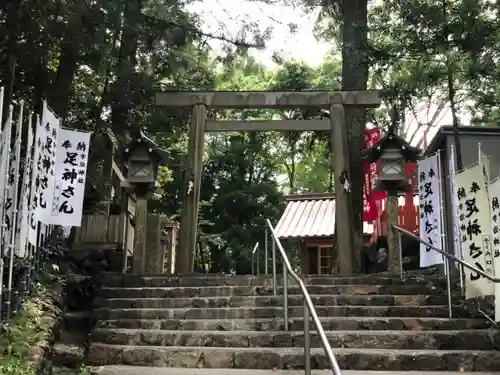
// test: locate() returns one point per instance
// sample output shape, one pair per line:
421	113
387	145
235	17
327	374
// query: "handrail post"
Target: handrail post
253	259
461	274
257	256
307	340
400	255
275	286
265	251
285	297
448	282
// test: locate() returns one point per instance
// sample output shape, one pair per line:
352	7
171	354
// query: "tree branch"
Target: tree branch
195	31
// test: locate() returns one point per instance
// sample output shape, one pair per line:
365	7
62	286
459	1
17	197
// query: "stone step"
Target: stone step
120	280
415	340
272	312
62	370
77	320
66	354
293	358
297	324
265	301
139	370
238	291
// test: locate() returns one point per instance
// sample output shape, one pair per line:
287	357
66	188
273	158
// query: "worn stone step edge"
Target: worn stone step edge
236	290
267	289
293	358
387	339
301	333
138	370
68	355
270	312
200	281
362	323
62	370
270	301
384	275
197	294
77	314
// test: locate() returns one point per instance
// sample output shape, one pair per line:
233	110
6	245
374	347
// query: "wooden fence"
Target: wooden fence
100	229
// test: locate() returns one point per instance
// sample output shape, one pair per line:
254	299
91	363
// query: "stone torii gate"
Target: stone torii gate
200	101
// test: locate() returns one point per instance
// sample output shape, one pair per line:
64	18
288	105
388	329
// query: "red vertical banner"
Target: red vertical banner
411	175
370	198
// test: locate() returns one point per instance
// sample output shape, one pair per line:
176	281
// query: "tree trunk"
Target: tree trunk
61	90
451	87
123	90
355	77
456	123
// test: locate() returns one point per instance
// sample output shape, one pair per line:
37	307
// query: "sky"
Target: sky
300	45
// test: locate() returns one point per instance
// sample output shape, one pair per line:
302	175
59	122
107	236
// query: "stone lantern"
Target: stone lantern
393	152
142	157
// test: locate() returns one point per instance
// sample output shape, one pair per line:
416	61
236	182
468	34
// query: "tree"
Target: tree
350	17
432	51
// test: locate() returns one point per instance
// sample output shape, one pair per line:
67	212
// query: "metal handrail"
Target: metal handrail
448	256
253	259
308	309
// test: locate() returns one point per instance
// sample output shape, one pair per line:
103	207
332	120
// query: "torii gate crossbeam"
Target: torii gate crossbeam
199	101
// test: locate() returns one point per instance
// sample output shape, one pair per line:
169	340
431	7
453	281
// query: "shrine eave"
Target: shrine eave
437	143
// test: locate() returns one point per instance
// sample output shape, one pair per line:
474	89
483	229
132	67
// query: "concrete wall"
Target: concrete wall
490	145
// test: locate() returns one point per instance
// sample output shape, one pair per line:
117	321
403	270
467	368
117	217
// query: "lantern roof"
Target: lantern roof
143	142
391	140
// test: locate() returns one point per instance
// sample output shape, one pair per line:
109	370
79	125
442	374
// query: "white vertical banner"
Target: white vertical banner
44	183
484	161
5	152
429	172
8	212
474	220
454	220
494	190
4	156
23	217
32	220
11	206
66	231
70	173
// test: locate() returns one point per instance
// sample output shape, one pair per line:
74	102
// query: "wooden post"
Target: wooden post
343	203
140	237
394	251
170	249
192	184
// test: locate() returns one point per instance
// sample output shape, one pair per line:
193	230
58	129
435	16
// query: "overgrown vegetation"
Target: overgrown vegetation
20	339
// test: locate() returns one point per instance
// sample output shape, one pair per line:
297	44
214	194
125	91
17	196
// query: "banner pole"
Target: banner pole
455	224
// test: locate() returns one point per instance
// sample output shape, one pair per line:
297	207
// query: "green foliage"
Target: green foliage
98	64
25	332
84	370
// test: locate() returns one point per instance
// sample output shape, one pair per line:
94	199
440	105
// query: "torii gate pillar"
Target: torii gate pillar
335	101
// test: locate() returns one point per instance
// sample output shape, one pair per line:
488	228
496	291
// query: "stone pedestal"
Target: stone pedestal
140	236
155	254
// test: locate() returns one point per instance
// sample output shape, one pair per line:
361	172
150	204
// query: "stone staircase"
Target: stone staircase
235	322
